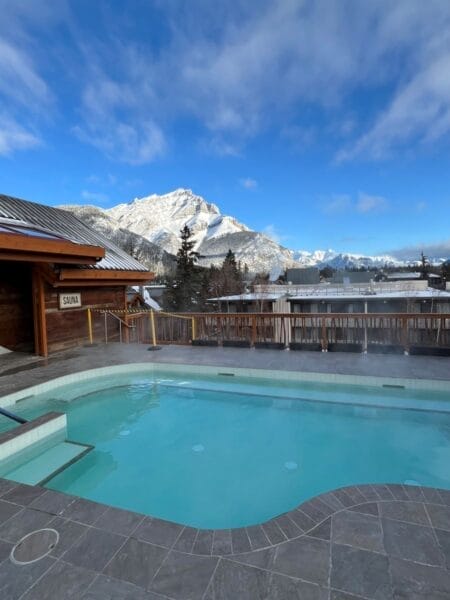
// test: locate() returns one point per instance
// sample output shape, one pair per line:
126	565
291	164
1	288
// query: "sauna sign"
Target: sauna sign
69	301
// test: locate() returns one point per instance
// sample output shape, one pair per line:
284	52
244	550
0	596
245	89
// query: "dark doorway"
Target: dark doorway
16	307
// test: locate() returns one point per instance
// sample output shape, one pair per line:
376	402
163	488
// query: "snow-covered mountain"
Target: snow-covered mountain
160	218
151	255
343	260
151	226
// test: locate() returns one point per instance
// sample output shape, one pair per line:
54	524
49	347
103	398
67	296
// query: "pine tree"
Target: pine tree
231	276
183	293
424	266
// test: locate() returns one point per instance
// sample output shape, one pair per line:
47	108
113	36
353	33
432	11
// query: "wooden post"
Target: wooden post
194	332
365	329
127	329
324	335
253	330
89	320
40	323
405	334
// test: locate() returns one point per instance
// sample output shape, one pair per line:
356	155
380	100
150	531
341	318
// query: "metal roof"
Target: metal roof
333	294
404	275
65	224
429	293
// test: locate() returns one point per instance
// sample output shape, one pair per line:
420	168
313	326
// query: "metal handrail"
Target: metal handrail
12	416
108	312
121	322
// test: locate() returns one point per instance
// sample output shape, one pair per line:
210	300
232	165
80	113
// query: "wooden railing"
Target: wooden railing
298	330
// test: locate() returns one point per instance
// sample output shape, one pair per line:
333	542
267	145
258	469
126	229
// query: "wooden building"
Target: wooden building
52	268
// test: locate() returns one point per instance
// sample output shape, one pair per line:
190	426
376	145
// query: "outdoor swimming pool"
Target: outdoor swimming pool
215	451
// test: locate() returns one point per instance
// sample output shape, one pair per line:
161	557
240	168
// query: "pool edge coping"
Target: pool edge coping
315	511
272	374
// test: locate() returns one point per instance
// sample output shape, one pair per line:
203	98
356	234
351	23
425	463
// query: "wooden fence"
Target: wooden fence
330	331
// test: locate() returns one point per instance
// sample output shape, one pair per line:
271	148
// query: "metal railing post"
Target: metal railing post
89	319
152	318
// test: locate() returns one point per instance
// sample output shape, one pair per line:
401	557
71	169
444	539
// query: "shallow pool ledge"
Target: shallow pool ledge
22	437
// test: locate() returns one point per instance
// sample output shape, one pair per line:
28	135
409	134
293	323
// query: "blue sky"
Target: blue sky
325	124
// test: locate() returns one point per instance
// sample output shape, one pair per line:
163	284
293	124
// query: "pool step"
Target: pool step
48	463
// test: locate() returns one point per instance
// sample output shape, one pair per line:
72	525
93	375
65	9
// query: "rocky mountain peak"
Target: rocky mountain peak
158	219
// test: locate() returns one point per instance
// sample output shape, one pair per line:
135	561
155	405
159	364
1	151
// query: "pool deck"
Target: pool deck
374	542
371	542
19	371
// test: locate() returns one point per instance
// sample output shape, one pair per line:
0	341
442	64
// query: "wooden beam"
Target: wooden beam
48	273
39	319
48	258
98	274
94	283
29	243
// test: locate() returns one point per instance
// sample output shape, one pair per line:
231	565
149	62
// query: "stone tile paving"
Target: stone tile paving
367	542
35	370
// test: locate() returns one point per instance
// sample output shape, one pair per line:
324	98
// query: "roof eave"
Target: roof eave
14	246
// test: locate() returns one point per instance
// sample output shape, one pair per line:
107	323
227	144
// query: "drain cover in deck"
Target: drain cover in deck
34	546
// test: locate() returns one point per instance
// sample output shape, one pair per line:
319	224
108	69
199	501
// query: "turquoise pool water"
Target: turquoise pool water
221	452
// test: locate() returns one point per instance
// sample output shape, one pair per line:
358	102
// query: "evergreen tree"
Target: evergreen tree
445	270
327	272
207	289
183	293
232	281
220	281
424	266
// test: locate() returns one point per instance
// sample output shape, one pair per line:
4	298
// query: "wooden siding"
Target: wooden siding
67	328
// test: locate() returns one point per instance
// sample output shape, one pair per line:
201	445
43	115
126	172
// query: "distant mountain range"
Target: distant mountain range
149	229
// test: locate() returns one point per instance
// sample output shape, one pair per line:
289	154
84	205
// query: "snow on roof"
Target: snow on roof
150	301
429	293
404	275
267	296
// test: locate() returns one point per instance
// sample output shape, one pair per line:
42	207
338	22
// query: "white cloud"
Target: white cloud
129	143
248	183
370	204
240	69
418	112
19	79
439	250
363	204
14	137
338	204
221	147
97	197
272	232
117	114
269	61
26	99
